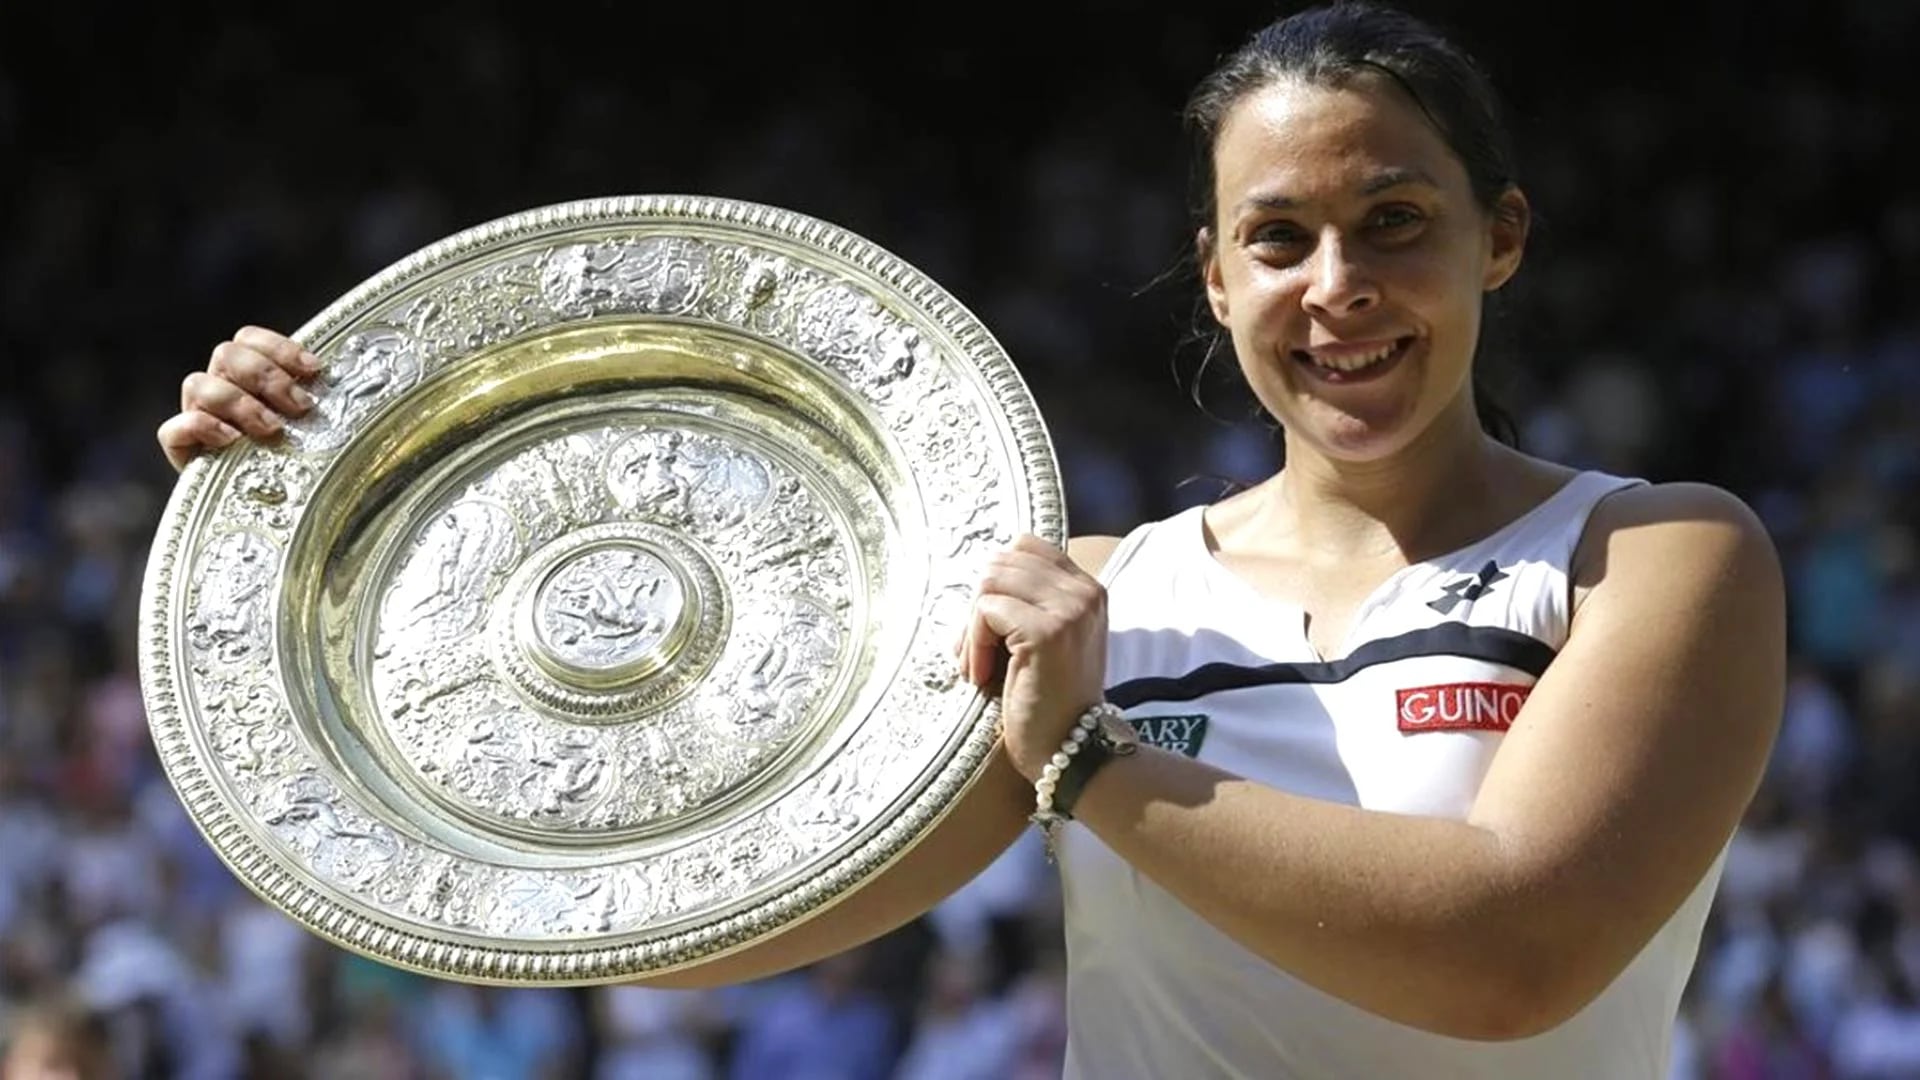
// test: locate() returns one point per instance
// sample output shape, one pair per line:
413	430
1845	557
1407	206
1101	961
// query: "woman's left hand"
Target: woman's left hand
1046	619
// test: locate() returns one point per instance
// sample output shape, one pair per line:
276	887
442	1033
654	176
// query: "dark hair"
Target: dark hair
1332	46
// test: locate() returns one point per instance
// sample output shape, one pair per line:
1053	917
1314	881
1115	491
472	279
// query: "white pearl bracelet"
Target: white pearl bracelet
1044	814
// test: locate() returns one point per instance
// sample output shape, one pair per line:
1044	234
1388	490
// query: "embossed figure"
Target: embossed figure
615	597
575	278
898	349
672	272
767	683
490	754
535	903
538	480
599	903
853	332
688	479
229	617
431	678
828	813
302	809
452	559
729	486
791	664
662	758
567	774
507	761
761	279
838	324
661	482
438	890
372	367
761	292
369	365
649	475
665	275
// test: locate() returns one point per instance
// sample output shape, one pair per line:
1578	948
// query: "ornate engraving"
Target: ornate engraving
565	906
686	480
499	765
646	474
555	486
477	310
754	289
249	731
968	510
229	620
660	274
854	333
371	368
599	751
829	812
444	889
607	607
307	814
603	600
271	489
440	594
786	673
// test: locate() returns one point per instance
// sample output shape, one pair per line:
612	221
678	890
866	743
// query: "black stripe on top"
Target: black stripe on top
1494	644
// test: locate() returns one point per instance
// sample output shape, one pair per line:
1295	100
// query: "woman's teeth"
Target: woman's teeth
1352	362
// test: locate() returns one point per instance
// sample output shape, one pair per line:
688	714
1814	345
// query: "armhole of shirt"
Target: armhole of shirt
1123	553
1578	538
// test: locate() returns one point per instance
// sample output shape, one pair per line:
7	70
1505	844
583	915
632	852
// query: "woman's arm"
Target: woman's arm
1619	784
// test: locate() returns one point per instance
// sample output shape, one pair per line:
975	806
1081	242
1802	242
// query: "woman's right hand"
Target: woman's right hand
250	386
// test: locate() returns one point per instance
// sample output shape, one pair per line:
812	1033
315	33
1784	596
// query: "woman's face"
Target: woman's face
1348	259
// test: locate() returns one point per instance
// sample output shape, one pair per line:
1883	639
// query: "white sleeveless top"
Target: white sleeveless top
1406	718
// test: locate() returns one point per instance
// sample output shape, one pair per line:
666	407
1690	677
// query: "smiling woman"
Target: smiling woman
1355	238
1464	732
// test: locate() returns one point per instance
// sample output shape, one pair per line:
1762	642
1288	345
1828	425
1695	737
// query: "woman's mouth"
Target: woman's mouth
1360	362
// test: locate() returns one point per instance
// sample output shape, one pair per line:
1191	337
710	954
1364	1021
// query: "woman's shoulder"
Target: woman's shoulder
1090	553
1645	534
1687	512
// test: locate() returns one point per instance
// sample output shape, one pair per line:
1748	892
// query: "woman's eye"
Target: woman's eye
1395	218
1278	233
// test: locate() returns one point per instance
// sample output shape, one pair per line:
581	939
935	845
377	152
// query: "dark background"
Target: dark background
1721	286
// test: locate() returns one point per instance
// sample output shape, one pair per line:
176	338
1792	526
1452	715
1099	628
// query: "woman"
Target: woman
1434	746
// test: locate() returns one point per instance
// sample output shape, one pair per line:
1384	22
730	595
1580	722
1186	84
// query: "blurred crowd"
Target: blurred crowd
1722	287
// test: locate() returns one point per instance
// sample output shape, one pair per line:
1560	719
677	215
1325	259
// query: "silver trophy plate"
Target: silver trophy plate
598	620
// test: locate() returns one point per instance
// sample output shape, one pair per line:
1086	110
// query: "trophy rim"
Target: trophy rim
379	935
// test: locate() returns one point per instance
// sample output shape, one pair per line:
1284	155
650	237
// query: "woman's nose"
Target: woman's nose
1337	284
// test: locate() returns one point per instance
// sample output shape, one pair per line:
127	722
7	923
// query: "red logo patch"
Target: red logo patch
1473	706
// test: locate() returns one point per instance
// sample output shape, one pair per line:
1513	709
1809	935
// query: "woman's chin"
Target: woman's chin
1361	420
1352	436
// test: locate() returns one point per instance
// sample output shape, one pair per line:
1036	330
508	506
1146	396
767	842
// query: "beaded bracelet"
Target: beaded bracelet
1044	815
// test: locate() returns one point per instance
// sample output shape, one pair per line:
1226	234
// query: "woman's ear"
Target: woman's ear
1207	254
1508	232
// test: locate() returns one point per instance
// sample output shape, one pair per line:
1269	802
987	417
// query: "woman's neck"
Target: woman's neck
1433	495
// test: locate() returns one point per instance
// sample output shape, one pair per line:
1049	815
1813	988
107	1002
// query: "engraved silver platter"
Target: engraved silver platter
597	621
